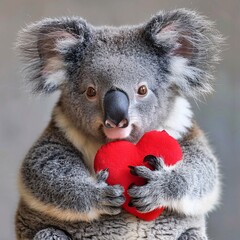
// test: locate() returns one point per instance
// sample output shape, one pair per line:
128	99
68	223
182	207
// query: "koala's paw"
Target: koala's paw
192	234
110	198
163	185
51	234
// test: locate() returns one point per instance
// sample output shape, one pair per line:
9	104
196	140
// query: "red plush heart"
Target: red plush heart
117	156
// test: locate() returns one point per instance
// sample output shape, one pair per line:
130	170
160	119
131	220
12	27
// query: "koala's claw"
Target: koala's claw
102	175
142	171
149	196
111	198
156	163
141	198
132	170
142	204
145	209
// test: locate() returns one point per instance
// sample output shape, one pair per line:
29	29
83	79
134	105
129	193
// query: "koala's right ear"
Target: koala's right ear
44	47
192	44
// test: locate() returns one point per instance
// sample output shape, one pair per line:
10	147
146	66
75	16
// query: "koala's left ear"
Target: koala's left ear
46	47
192	45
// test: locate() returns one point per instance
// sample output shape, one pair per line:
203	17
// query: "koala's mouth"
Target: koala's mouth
117	133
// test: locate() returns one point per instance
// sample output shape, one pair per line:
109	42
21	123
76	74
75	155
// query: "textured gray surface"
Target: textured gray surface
23	117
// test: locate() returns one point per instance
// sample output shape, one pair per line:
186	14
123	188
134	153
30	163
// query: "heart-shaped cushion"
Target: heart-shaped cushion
118	155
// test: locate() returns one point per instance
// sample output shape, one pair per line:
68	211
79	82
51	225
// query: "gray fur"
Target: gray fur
173	55
169	226
59	161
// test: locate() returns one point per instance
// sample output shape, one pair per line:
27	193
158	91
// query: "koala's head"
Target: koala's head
120	82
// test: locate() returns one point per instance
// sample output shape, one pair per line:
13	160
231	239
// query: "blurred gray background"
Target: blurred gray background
23	117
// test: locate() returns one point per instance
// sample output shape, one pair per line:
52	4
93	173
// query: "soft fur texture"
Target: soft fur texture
172	56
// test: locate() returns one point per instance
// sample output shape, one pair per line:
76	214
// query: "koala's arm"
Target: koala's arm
55	181
190	187
200	170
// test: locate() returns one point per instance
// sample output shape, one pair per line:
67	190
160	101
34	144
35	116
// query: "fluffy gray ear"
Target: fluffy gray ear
192	45
45	49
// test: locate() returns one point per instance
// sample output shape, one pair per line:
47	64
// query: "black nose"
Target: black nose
116	105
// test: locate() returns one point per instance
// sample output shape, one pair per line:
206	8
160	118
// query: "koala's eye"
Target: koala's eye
91	92
142	90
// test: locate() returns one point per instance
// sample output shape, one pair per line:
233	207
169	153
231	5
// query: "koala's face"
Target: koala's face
118	83
117	66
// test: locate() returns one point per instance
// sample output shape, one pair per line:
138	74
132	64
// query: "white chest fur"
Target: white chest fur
177	123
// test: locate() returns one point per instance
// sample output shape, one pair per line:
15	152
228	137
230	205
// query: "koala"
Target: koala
117	83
